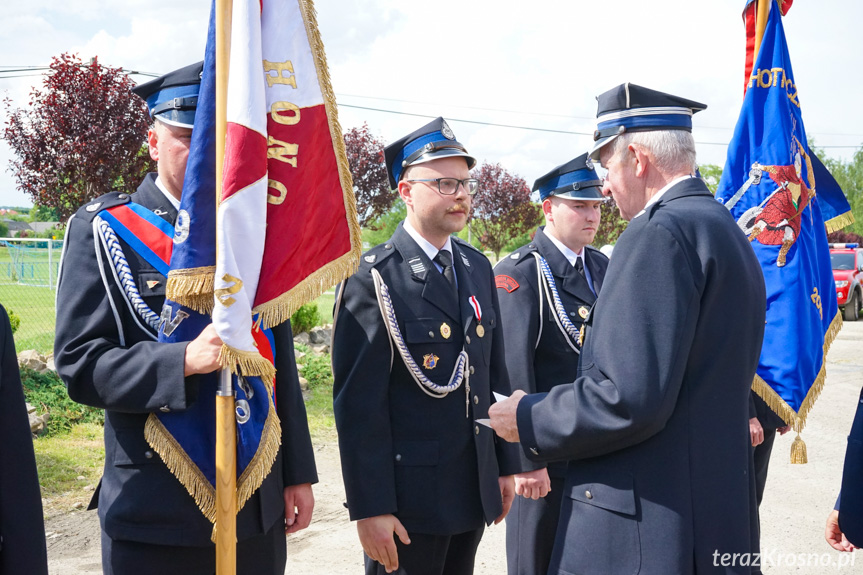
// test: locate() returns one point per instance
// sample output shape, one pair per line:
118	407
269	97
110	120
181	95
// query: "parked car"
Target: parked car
847	262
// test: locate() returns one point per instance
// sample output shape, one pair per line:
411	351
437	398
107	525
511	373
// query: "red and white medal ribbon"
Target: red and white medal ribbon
477	311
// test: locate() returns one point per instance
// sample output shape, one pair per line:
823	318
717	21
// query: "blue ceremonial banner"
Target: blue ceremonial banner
773	190
186	441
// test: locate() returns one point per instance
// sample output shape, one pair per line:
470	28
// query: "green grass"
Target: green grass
319	402
325	307
62	459
35	307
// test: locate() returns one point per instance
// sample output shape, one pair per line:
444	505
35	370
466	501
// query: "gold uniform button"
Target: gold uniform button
588	494
476	400
467	339
471	370
431	334
148	454
476	429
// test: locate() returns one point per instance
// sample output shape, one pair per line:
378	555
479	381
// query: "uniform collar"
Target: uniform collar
174	201
424	244
658	195
570	255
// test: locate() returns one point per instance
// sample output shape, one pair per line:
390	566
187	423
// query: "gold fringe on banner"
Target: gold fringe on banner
247	363
283	307
839	222
797	420
204	494
181	466
192	287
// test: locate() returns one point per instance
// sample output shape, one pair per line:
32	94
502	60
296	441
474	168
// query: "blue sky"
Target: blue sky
537	64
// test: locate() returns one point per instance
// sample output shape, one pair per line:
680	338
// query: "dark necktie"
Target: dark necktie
444	260
579	266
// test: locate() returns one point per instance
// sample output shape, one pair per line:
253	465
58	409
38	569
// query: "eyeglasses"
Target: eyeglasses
449	186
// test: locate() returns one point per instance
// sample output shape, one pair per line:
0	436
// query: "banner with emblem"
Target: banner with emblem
287	223
186	440
774	192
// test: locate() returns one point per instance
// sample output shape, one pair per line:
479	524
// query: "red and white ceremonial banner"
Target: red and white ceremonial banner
287	228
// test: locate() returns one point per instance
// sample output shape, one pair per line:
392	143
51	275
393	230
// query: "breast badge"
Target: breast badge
445	330
582	311
430	361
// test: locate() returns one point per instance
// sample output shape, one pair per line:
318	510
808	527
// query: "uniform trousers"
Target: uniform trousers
264	554
531	526
433	555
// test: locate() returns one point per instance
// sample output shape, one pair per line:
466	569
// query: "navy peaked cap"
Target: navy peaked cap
574	180
433	141
173	98
632	108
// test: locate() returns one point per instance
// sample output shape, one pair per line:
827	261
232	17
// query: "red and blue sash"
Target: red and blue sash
147	234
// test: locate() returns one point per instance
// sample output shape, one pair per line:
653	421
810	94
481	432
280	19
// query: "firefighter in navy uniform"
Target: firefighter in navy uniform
417	351
546	289
106	350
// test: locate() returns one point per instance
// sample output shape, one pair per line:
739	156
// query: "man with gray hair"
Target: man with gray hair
656	424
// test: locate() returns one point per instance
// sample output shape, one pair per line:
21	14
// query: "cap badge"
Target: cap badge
430	361
446	131
445	330
588	163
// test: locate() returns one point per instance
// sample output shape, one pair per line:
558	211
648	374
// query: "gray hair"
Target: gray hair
673	151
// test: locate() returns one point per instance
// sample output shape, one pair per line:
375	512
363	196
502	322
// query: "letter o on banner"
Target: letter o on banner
280	188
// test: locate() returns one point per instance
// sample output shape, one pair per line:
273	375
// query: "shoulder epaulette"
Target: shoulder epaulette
521	253
376	255
463	243
91	209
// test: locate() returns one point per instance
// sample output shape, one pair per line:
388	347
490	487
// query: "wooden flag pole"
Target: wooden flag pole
760	26
226	424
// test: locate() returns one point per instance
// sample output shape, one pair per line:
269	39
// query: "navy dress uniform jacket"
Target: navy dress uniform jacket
22	531
423	459
539	357
109	358
851	498
657	419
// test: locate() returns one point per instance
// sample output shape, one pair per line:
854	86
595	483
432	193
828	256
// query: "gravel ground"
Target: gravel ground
796	503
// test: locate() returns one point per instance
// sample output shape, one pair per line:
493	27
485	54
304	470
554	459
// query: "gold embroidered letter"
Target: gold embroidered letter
279	150
288	120
280	188
280	68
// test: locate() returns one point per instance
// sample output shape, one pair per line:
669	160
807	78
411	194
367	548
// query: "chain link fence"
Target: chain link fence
28	280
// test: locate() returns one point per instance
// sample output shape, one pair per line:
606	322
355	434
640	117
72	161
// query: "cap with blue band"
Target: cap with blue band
574	180
633	108
433	141
173	98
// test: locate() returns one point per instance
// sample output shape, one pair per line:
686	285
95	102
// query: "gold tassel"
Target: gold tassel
798	420
798	451
246	363
839	222
192	287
